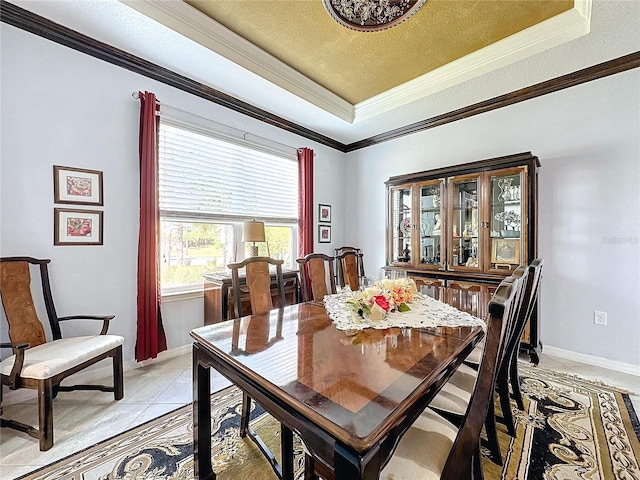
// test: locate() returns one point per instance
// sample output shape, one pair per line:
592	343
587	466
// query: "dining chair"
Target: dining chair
433	447
349	267
452	400
42	364
258	285
317	277
508	373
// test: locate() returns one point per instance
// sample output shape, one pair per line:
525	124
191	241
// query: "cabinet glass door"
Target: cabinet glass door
464	251
507	198
431	223
401	227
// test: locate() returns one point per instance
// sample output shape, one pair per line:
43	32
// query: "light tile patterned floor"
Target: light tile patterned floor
83	418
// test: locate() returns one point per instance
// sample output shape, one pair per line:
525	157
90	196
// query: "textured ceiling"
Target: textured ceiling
359	65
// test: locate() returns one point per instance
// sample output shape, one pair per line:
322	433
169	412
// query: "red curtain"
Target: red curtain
150	336
305	204
305	201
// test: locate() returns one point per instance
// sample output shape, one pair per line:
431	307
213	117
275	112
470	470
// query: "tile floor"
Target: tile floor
157	387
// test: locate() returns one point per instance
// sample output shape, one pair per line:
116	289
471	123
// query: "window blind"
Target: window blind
201	175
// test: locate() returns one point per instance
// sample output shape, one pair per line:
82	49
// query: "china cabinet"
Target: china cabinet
474	222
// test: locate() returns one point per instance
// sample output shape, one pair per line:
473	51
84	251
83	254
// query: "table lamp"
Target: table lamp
253	231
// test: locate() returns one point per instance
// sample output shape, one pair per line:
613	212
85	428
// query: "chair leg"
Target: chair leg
502	385
45	414
286	452
492	434
477	466
244	419
309	468
118	379
514	378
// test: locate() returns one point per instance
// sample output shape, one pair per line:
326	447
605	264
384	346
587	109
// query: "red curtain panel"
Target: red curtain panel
150	334
305	204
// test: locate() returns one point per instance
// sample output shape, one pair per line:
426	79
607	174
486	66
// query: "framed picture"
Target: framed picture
324	234
324	213
506	251
77	227
77	185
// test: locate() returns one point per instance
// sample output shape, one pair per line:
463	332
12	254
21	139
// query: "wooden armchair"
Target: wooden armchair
40	364
349	266
317	269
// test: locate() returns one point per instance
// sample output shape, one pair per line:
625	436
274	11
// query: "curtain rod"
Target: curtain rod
225	130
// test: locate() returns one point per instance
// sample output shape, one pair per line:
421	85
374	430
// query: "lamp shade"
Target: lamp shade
253	231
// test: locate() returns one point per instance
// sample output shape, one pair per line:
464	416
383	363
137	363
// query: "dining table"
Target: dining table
349	394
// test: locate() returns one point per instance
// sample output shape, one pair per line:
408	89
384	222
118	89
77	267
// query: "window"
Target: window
209	186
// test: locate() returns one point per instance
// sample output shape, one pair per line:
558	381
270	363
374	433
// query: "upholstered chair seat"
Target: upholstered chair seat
412	460
58	356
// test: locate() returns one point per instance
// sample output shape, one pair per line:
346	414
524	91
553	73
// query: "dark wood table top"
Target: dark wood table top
353	386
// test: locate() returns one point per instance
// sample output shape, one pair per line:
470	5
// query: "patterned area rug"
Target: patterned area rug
570	429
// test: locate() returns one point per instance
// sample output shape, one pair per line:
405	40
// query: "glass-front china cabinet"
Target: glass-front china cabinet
473	223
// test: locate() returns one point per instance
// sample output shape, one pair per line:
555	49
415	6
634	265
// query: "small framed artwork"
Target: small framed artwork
506	251
77	227
324	234
77	185
324	213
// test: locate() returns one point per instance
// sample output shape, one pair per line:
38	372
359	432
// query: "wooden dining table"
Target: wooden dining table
349	395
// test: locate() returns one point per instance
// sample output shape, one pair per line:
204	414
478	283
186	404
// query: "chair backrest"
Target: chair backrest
529	295
502	308
349	266
258	282
317	270
18	304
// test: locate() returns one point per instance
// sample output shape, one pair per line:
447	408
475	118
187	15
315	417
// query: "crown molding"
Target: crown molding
37	25
193	24
190	22
610	67
550	33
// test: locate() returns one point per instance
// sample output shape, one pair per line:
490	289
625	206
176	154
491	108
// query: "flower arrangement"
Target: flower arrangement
385	296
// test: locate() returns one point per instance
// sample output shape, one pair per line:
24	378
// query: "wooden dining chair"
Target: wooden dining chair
42	364
433	447
258	284
316	276
454	396
508	373
349	267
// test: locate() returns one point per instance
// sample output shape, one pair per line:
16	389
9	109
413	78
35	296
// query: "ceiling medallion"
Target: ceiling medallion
371	15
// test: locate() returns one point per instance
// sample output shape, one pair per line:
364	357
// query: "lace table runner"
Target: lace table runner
425	313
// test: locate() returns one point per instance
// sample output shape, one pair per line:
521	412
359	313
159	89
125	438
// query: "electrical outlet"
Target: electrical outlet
599	318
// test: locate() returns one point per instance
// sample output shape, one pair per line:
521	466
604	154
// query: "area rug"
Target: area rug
570	429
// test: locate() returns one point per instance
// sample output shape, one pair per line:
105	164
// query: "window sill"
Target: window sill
181	296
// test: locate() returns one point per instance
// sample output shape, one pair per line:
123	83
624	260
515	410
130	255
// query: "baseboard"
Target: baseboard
593	360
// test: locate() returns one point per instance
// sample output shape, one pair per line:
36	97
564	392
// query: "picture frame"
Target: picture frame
324	213
505	251
77	186
77	227
324	234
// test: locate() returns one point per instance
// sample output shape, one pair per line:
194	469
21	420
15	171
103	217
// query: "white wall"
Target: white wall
588	141
60	107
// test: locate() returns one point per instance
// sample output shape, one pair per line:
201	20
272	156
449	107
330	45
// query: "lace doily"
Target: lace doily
425	313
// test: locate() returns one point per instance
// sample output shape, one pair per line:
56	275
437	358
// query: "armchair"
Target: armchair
40	364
